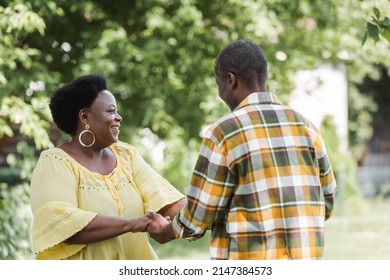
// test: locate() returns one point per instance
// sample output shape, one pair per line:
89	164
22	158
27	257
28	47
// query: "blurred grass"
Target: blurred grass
180	249
361	234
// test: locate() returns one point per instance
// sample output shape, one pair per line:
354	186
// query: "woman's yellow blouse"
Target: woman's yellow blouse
65	197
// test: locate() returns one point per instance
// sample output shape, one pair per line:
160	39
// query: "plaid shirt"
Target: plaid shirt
262	183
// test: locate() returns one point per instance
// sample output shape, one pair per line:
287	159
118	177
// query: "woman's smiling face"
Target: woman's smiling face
104	119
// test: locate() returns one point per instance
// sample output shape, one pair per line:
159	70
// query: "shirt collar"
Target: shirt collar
259	98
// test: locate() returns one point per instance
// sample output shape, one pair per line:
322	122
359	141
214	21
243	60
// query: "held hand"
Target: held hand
160	228
140	224
157	224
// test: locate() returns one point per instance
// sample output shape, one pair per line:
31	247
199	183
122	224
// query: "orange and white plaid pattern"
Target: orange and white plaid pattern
262	184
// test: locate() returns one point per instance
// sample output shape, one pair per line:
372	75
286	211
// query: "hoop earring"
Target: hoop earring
84	131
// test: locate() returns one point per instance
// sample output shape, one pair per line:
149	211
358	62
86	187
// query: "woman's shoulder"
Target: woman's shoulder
54	153
55	158
52	160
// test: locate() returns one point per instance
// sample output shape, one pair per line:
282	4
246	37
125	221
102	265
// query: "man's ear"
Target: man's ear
231	80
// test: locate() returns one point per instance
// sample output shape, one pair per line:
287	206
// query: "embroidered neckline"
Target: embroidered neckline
75	162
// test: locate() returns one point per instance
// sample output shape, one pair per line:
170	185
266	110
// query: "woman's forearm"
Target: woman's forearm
105	227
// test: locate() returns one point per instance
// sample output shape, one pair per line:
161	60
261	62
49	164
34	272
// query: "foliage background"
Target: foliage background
158	58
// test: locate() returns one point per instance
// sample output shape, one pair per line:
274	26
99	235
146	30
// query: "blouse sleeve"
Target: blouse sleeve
155	190
53	198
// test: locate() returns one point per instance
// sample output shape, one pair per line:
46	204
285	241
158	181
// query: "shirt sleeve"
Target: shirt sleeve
211	187
56	216
328	183
327	179
155	190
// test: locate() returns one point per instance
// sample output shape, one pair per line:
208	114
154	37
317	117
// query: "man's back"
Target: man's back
263	182
275	172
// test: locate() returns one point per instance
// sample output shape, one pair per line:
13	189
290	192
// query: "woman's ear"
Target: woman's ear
83	115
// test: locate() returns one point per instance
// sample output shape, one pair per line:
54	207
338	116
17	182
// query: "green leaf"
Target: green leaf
386	34
365	38
5	129
385	23
376	12
373	31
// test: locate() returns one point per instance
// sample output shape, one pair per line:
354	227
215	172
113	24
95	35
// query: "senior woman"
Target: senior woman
89	196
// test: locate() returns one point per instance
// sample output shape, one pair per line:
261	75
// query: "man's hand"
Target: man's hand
160	228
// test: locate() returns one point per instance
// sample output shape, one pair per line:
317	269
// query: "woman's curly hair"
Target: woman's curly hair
67	101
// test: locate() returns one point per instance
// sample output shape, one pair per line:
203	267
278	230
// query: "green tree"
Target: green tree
23	110
379	25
